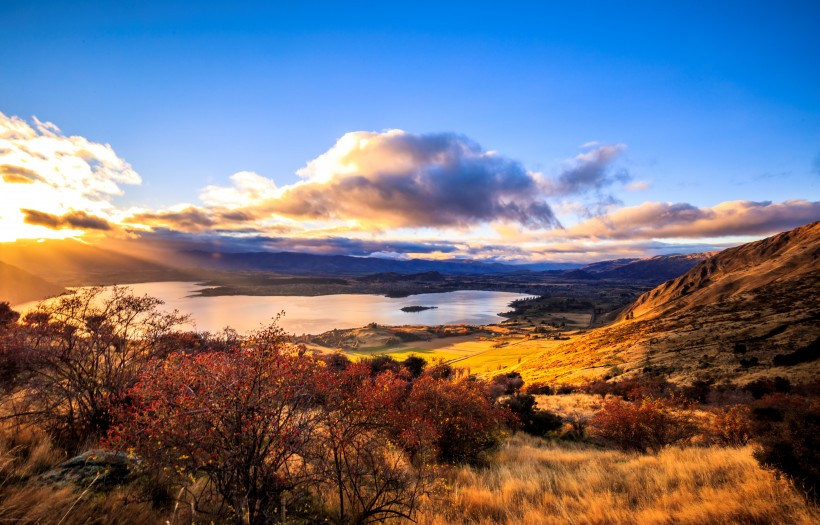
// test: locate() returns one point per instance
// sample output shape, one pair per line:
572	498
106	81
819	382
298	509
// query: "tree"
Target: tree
241	418
85	350
12	357
372	477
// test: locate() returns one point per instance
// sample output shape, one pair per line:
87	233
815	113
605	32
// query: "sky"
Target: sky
514	131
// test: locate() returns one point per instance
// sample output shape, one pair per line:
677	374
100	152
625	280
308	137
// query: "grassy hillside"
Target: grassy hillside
748	312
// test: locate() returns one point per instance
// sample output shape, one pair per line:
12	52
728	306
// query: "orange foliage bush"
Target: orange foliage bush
731	426
649	424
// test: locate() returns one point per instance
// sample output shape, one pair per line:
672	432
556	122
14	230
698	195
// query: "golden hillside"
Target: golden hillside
747	312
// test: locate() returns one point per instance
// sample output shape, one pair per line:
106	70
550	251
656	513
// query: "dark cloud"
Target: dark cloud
182	241
195	219
191	219
591	171
74	219
397	179
18	174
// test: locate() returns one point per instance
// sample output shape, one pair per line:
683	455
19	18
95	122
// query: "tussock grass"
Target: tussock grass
25	454
536	482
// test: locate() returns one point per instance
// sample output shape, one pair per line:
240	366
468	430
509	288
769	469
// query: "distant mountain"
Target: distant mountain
654	269
305	263
69	262
747	312
19	286
606	266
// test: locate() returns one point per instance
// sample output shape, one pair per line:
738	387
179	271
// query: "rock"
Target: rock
98	467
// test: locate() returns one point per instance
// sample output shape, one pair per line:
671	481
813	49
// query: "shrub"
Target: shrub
649	424
506	384
633	388
382	363
85	350
440	370
732	426
336	361
539	389
415	365
788	431
370	476
760	387
241	419
578	423
459	414
533	421
698	391
807	354
12	355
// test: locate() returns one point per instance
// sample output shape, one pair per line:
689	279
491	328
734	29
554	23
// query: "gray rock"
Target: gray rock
98	467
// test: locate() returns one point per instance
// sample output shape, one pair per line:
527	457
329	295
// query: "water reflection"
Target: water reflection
314	315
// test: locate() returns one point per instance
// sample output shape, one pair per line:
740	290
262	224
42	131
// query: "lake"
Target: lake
314	315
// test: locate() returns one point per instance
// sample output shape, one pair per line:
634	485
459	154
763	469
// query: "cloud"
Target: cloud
57	175
169	240
18	174
188	219
638	185
248	189
659	220
590	171
398	179
74	219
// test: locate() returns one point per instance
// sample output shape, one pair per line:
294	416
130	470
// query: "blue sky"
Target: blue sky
711	102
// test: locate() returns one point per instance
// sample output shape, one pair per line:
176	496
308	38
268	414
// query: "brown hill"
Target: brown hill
18	286
735	271
749	311
73	263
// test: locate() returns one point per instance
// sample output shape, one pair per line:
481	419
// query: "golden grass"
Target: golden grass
535	482
530	480
571	404
26	499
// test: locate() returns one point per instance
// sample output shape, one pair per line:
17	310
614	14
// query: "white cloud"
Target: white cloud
44	170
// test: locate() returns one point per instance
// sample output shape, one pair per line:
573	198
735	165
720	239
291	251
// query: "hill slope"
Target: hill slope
72	263
747	312
18	286
744	269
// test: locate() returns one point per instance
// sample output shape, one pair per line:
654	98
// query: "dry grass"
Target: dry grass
26	499
533	481
568	404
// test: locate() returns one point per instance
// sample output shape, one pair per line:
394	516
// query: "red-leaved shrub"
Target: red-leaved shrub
649	424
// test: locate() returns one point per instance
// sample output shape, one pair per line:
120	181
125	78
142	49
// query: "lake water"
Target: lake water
314	315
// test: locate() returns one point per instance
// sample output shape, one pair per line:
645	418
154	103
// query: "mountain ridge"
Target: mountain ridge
748	312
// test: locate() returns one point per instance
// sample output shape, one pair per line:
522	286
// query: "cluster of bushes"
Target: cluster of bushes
251	429
782	418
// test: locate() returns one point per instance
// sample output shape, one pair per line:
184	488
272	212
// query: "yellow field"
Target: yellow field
479	354
534	481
